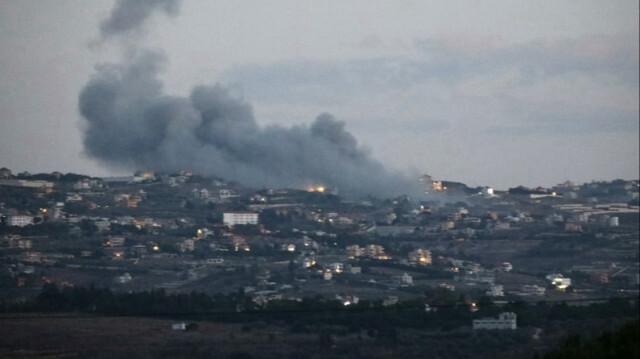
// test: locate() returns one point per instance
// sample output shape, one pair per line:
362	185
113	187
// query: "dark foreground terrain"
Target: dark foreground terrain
80	336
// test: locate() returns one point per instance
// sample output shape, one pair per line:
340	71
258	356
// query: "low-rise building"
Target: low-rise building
235	218
19	220
506	320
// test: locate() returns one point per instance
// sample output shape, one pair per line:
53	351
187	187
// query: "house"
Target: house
347	299
139	250
216	260
103	224
27	184
354	251
404	280
572	226
73	197
376	251
188	245
116	241
201	193
32	257
225	194
327	274
16	241
182	326
420	256
496	290
559	281
506	320
391	300
5	172
125	278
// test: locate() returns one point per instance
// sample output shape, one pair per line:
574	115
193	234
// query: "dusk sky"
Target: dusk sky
497	93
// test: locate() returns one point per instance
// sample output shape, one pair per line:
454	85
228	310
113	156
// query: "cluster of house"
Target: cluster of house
487	213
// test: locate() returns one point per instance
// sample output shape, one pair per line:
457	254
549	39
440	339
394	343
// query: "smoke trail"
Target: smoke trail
132	124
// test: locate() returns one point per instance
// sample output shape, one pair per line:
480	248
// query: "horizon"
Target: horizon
312	187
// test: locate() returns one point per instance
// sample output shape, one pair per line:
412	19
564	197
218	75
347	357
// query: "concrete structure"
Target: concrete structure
234	218
506	320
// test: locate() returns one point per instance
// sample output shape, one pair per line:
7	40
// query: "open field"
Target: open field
126	337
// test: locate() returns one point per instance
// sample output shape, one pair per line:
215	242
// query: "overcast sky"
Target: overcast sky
498	93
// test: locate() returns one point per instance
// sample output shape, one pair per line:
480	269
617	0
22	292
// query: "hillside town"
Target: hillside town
183	233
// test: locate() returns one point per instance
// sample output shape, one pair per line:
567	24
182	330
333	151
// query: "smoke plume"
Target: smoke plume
132	124
128	15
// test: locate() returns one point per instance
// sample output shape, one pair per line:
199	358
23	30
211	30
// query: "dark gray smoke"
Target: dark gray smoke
132	124
129	15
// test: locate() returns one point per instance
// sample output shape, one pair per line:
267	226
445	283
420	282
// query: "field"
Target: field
127	337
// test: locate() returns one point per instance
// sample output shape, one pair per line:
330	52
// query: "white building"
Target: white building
506	320
234	218
19	221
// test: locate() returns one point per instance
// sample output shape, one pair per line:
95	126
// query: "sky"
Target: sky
495	93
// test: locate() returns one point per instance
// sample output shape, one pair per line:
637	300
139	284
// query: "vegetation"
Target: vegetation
622	343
